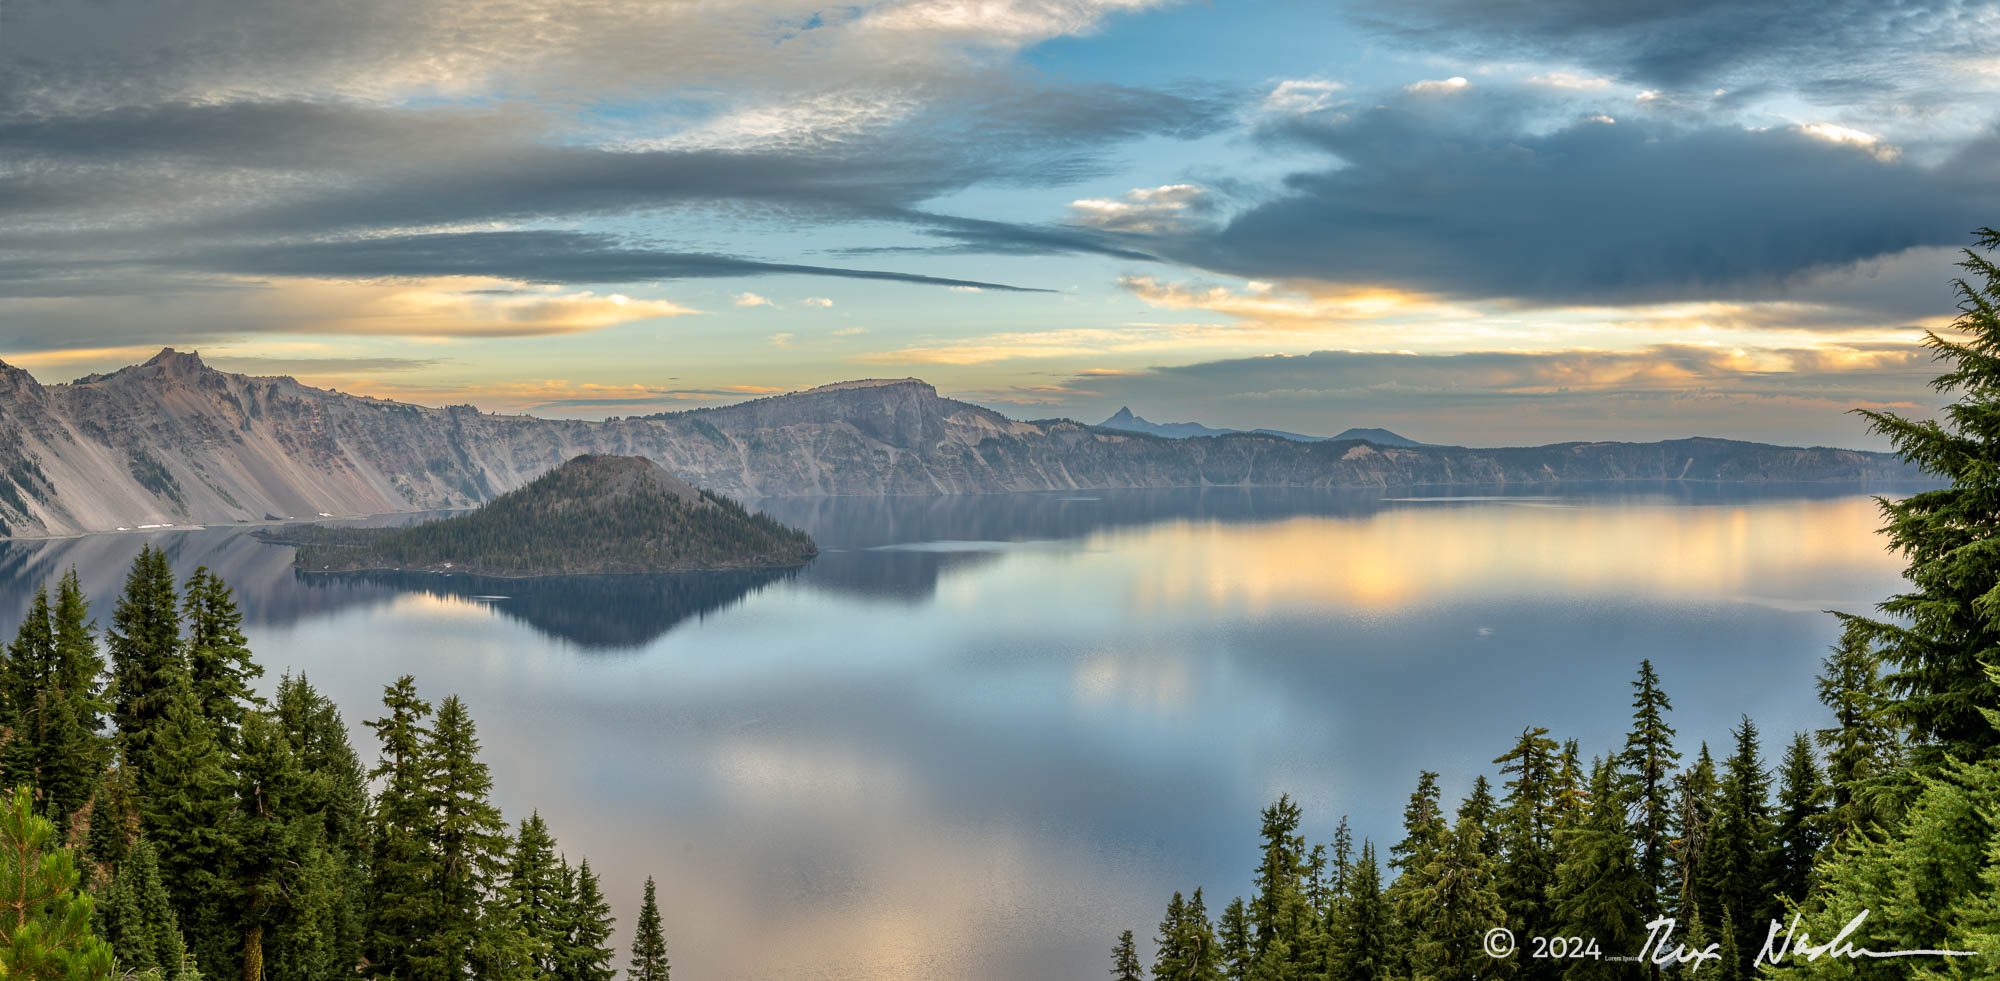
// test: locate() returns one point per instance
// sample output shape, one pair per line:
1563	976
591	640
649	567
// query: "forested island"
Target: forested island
166	823
594	515
1890	812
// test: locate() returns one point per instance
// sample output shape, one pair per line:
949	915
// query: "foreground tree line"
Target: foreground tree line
1893	808
168	823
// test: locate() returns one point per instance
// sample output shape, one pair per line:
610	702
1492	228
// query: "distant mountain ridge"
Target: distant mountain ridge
174	441
1125	420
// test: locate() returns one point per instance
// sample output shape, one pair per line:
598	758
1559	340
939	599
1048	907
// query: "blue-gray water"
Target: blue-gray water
979	736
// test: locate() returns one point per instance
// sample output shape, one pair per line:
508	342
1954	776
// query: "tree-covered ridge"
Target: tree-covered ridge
592	515
1892	809
166	823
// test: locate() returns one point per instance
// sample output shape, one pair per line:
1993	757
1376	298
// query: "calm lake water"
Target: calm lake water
979	736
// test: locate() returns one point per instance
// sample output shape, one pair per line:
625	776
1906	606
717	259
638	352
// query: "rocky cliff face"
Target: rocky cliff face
173	441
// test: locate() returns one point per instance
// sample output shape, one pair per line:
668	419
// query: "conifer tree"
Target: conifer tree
220	667
331	797
534	886
287	885
1941	634
1863	747
1279	914
45	923
468	842
1425	834
1600	892
1527	838
77	752
1424	828
586	954
402	863
1799	832
1648	761
1480	808
1185	949
187	804
147	663
649	942
1740	848
114	822
25	680
1232	937
1694	824
1361	950
1343	857
137	916
1124	960
1453	902
1203	963
51	706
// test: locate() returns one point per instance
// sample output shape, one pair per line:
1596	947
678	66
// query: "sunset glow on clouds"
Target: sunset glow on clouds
1686	220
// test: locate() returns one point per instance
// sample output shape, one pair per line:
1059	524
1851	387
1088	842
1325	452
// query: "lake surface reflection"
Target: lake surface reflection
979	736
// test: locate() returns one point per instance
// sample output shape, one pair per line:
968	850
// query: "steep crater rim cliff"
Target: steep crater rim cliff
173	441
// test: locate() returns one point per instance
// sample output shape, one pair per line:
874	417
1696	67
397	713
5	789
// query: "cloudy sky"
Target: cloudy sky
1479	221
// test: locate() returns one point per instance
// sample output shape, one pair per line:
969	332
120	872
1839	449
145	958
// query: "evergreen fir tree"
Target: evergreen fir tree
1361	949
114	822
1480	808
1232	941
1425	834
1343	857
1863	747
147	664
51	707
77	752
1124	960
1694	824
587	950
1453	902
1280	917
1941	634
1204	962
220	667
1527	839
468	842
1600	892
186	805
137	916
332	797
45	923
1424	828
1740	848
534	886
402	863
286	885
25	681
1800	831
1648	761
649	942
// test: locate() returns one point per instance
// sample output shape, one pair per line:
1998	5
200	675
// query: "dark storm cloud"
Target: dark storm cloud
526	256
1861	46
1464	195
107	196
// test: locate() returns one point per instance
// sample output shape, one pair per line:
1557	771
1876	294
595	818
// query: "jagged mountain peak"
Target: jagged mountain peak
17	383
